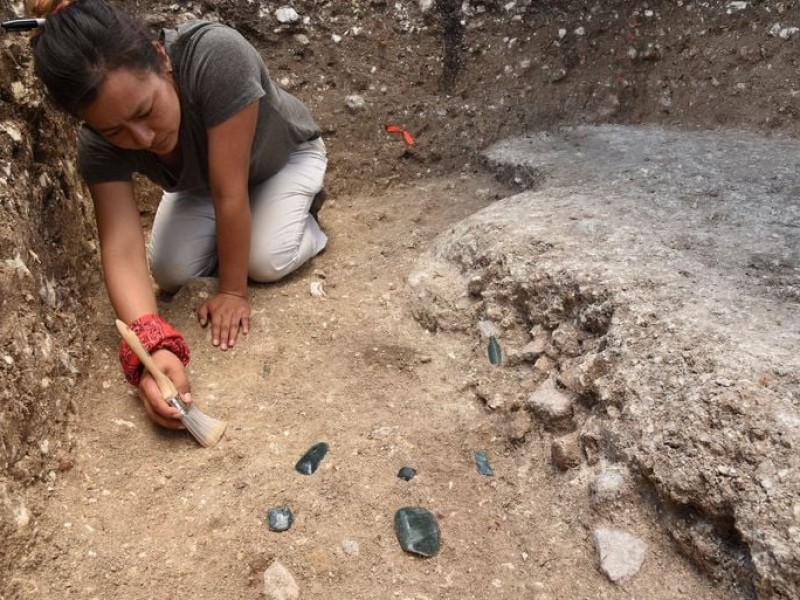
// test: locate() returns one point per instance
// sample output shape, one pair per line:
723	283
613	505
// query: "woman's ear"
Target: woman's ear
162	53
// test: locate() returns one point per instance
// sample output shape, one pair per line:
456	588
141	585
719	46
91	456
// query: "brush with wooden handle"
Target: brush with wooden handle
205	429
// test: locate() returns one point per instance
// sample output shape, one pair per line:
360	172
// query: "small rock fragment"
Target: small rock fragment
279	583
350	547
495	402
475	285
417	531
607	487
533	350
286	14
552	406
12	131
566	339
20	93
482	462
407	473
63	460
518	426
621	554
317	289
495	354
280	519
487	328
355	103
22	517
309	462
566	452
544	364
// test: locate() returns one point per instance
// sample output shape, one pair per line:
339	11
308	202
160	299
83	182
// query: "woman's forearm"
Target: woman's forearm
233	243
122	250
128	283
229	146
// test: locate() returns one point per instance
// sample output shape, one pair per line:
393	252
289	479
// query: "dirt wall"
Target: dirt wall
47	262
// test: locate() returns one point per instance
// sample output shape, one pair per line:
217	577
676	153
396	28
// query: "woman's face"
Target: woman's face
137	110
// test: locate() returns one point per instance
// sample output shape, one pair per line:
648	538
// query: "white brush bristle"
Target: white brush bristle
206	430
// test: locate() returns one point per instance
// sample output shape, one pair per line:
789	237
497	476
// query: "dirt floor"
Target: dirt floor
141	513
144	513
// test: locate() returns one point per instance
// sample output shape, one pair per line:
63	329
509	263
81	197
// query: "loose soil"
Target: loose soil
139	512
147	513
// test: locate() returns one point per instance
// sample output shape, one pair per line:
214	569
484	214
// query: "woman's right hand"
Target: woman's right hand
155	406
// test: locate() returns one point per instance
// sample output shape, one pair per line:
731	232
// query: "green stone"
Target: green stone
417	531
407	473
482	462
495	354
309	462
280	519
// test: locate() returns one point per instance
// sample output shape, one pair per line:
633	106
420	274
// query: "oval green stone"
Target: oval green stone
417	531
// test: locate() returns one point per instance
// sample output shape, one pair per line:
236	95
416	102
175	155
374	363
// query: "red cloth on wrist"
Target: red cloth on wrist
155	334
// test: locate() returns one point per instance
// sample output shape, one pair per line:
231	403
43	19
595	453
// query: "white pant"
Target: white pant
183	243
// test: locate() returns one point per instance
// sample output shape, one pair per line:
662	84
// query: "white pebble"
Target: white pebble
317	289
350	547
286	14
355	102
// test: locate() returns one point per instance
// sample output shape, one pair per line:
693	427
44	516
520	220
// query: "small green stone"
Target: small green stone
417	531
407	473
280	519
309	462
482	462
495	354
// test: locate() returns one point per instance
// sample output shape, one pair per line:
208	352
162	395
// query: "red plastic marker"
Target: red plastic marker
407	137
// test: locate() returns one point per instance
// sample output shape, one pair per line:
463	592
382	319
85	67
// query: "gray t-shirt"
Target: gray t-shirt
218	74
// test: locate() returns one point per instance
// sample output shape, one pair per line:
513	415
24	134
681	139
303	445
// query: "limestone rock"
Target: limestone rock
286	14
533	350
279	583
609	486
621	554
552	406
667	305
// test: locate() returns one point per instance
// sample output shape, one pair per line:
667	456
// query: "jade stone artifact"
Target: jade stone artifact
309	462
280	519
495	354
407	473
417	531
482	462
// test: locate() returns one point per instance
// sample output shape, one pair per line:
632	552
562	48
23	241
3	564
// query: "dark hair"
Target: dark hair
81	42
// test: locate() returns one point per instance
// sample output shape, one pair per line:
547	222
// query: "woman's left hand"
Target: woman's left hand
227	313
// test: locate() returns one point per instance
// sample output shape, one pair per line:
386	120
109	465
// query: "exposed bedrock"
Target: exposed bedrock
654	278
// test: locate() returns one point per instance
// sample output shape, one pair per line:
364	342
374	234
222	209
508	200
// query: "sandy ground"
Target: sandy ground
145	513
